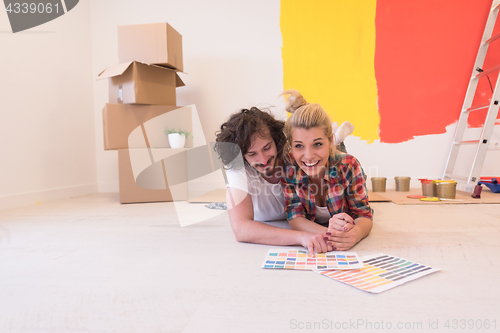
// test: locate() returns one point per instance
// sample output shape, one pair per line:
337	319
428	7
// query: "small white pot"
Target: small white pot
176	140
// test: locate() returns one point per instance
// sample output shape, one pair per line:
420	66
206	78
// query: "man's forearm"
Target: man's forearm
260	233
303	224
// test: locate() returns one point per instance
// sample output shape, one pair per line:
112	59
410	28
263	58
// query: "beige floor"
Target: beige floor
89	264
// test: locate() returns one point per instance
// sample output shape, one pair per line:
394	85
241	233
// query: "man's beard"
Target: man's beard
268	172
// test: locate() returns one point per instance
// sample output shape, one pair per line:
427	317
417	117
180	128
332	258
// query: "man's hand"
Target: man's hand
315	243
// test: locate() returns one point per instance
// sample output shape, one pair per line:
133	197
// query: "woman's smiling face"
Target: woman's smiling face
311	149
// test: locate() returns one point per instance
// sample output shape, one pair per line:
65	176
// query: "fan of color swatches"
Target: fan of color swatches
380	273
300	259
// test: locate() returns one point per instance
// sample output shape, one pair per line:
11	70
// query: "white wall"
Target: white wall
46	115
232	54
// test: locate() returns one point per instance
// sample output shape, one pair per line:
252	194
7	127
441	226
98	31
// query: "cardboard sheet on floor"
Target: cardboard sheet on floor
376	197
400	198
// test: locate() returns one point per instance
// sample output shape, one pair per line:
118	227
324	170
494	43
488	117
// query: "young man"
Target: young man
250	145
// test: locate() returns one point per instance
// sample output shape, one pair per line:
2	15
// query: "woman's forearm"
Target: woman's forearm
364	225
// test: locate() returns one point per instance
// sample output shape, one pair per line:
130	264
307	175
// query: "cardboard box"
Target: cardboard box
156	43
137	83
152	175
141	126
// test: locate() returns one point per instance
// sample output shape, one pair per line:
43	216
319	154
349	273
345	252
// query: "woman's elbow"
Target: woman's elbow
293	225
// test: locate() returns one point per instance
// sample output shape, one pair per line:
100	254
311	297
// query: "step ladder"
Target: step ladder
467	183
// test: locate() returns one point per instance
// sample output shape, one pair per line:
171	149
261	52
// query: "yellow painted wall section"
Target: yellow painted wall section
328	55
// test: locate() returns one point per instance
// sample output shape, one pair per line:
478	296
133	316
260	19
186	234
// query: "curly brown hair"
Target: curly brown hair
235	135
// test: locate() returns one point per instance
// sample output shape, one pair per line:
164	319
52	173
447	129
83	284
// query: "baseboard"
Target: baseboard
109	187
32	198
203	186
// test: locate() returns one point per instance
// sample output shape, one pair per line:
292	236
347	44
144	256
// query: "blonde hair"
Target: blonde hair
304	115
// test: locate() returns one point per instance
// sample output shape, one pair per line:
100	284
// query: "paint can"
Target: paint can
446	189
402	184
378	184
428	187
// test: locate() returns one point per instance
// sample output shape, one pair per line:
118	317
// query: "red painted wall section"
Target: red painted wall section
425	51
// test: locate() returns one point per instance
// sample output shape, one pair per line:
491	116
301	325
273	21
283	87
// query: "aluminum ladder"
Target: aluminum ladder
467	183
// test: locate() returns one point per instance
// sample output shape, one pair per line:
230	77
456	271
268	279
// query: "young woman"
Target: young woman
325	191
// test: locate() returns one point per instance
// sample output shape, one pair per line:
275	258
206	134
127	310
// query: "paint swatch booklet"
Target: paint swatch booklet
300	259
381	272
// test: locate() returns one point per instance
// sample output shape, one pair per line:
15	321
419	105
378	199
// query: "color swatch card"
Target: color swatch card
380	273
300	259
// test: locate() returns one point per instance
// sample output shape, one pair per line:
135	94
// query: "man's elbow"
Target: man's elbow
240	234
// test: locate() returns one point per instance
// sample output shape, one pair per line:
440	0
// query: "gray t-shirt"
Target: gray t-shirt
268	199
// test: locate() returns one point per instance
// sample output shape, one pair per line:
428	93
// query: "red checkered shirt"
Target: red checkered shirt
346	191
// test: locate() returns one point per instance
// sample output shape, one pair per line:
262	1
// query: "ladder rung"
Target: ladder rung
488	71
475	108
471	142
455	177
471	177
492	39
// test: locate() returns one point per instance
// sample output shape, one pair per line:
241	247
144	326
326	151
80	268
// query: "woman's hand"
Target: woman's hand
342	234
340	222
344	240
315	243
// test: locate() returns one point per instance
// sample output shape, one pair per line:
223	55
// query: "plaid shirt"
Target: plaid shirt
346	191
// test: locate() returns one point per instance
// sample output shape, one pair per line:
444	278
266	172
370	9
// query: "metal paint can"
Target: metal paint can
446	189
402	184
428	187
378	184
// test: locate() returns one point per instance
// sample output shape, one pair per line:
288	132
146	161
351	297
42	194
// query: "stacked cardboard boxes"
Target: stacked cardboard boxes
142	103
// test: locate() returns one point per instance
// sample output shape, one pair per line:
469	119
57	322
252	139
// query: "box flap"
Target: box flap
178	81
167	66
162	67
114	70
